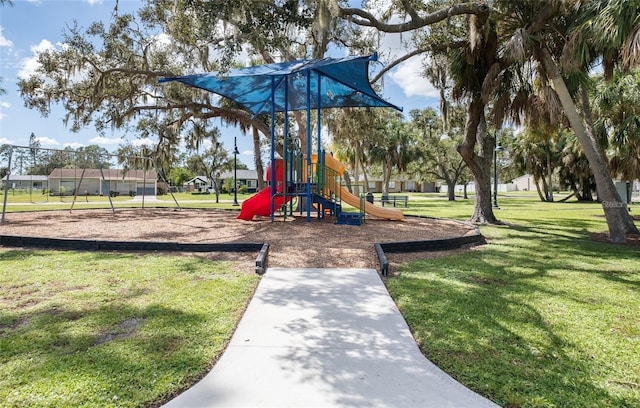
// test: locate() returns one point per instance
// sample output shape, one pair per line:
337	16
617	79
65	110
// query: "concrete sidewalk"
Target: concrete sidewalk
325	338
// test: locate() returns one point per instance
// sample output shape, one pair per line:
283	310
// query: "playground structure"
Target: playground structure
76	179
302	85
328	193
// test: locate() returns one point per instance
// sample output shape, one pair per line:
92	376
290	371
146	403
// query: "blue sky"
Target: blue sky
32	25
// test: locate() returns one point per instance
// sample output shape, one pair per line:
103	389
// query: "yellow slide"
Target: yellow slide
347	197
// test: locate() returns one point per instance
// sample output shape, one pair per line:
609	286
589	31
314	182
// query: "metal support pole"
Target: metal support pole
235	171
6	185
498	147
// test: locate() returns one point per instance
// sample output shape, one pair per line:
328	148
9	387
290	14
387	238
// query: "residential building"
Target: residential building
26	182
244	177
103	181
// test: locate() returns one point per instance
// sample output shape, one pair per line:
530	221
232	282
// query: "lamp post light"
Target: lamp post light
497	149
235	171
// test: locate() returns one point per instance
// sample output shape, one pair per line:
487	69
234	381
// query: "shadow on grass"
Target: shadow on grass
500	318
100	356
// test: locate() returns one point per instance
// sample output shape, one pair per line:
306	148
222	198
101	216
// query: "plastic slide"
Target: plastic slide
259	204
347	197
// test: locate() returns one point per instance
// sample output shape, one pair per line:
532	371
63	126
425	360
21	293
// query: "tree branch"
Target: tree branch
444	47
364	18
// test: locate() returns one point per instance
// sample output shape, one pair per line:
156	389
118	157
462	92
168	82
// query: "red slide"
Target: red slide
260	203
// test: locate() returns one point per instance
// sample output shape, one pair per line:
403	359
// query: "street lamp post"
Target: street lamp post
497	149
235	171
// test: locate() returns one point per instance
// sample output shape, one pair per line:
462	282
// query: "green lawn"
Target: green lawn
101	329
541	316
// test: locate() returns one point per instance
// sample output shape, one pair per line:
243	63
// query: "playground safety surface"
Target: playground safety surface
293	242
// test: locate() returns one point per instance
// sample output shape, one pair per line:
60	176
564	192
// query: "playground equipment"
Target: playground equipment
84	176
260	203
302	85
328	192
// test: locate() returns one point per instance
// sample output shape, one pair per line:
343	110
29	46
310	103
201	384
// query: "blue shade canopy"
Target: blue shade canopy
333	83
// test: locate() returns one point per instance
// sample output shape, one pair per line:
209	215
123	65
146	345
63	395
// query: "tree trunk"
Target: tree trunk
258	158
545	188
536	181
364	175
451	190
356	173
386	177
480	163
550	170
216	188
618	219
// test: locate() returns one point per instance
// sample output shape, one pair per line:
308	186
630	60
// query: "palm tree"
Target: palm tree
352	130
575	173
600	35
532	154
392	148
617	121
539	30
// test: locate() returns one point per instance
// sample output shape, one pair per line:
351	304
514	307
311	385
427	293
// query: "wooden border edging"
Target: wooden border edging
427	245
261	260
433	244
262	248
382	258
151	246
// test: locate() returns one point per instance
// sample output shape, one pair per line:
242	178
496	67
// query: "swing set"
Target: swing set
81	181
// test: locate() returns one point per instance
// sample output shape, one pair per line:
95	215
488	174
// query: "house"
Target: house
22	182
525	183
244	177
103	181
399	184
199	183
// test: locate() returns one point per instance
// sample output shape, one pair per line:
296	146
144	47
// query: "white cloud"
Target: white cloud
93	2
47	141
4	42
408	78
4	140
247	152
3	105
205	144
100	140
143	142
29	65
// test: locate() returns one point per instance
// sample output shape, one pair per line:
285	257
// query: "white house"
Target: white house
22	182
103	182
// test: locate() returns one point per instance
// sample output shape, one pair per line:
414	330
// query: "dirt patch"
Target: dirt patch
293	242
633	240
121	331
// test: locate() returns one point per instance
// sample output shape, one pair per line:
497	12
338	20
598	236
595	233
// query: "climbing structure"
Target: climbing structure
304	85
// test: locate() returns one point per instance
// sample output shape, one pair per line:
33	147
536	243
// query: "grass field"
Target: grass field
540	316
98	330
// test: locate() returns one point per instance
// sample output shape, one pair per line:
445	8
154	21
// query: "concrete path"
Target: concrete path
325	338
